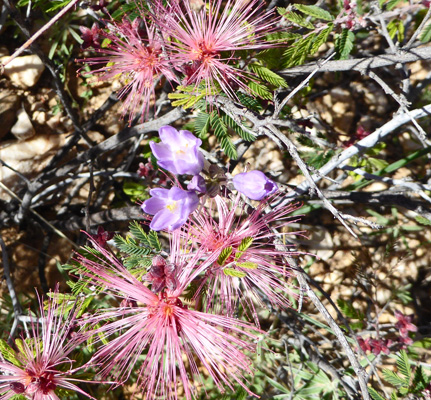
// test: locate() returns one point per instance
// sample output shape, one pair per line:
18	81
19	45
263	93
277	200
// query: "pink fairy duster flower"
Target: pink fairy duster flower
250	264
380	346
404	323
254	184
39	367
179	151
162	275
175	339
135	55
205	41
364	344
171	208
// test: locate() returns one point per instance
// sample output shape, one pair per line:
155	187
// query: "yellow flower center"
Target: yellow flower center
172	207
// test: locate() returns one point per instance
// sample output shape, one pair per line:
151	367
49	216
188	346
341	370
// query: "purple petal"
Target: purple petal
179	151
160	150
153	205
168	134
164	219
254	184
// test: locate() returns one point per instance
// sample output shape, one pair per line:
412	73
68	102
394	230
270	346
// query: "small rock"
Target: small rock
39	117
9	103
23	128
24	71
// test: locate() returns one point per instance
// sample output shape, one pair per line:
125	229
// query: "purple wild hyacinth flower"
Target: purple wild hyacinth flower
42	364
171	341
179	151
254	184
170	208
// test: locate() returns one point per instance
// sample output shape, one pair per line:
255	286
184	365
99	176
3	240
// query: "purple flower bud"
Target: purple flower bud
254	184
198	184
170	208
179	151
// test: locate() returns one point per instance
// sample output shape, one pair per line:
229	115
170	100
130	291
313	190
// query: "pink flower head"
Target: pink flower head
102	236
254	184
205	41
171	208
380	346
39	369
167	331
90	37
364	344
248	252
135	55
162	275
179	151
404	323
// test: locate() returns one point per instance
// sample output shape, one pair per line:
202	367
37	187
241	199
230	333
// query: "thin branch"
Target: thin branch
360	64
17	309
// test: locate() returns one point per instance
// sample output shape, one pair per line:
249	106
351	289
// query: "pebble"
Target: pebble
24	71
23	128
9	103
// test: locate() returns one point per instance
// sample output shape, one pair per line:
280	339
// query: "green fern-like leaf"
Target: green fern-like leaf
237	129
393	378
420	380
375	395
295	18
243	246
425	35
8	353
220	131
138	232
220	128
268	76
403	364
321	38
18	397
245	243
297	53
229	148
154	241
249	101
224	255
135	262
247	265
234	272
314	11
260	90
130	246
344	44
202	124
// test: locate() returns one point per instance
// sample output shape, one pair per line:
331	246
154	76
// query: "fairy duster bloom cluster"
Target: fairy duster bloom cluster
174	336
43	365
180	44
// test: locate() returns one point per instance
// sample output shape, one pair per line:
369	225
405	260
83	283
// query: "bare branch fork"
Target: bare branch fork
38	33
